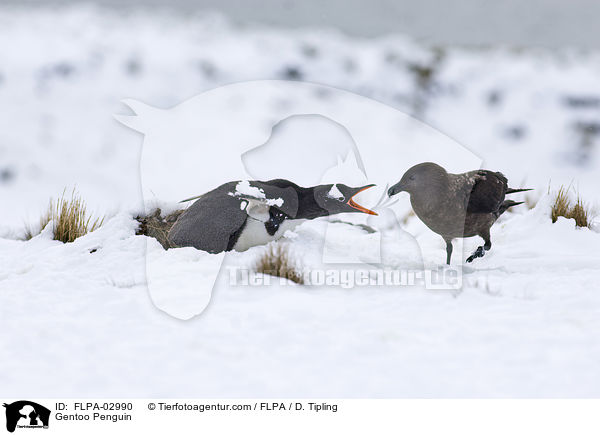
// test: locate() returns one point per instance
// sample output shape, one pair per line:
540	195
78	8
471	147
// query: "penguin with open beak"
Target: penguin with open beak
241	214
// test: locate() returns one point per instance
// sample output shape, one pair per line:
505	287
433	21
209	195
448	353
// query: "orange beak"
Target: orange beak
358	207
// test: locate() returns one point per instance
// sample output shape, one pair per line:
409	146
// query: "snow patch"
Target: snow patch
244	189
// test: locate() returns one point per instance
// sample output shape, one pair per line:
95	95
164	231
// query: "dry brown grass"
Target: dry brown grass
277	261
69	217
158	226
581	213
563	206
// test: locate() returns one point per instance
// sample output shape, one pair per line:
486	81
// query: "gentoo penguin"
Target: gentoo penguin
457	205
241	214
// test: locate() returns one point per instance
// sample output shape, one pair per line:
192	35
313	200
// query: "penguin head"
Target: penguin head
339	198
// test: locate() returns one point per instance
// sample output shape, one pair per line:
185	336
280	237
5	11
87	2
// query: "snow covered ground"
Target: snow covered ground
78	319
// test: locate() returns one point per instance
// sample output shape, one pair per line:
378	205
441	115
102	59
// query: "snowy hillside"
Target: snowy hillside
524	324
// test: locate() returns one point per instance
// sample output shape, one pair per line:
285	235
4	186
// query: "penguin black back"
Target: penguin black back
241	214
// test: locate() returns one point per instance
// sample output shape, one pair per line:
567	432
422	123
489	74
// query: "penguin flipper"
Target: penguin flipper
209	223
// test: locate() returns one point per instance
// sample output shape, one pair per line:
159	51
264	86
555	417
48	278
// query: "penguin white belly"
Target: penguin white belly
255	233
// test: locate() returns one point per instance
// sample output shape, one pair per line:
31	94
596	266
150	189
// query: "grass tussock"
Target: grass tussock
563	206
277	261
581	213
158	226
69	218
